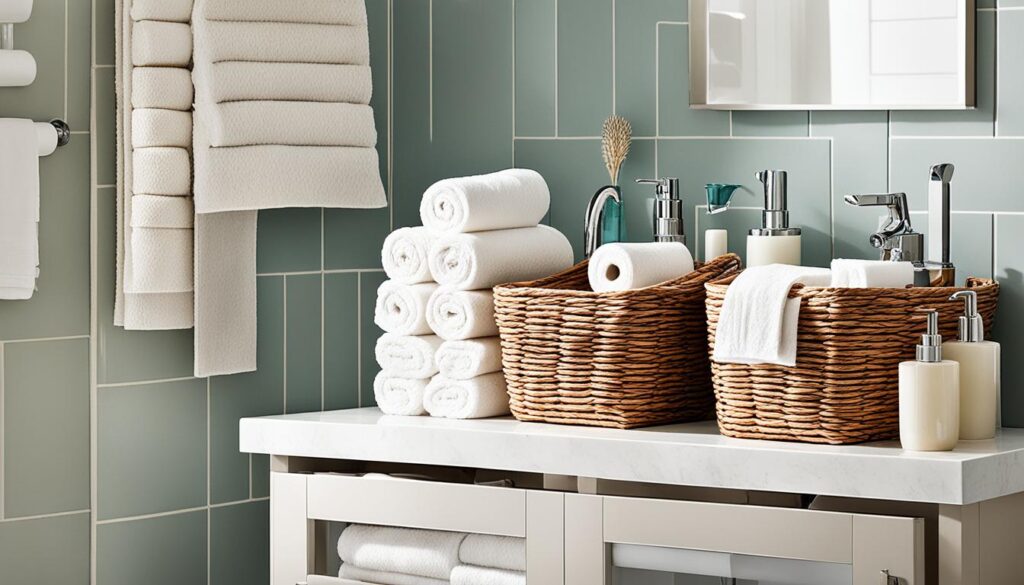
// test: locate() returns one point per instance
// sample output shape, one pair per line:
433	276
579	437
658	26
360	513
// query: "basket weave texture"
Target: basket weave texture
625	360
845	386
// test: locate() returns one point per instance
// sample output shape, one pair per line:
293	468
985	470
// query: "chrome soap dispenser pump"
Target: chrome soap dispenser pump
775	242
668	210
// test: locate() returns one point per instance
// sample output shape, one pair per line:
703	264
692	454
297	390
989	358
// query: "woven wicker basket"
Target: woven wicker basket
625	360
845	386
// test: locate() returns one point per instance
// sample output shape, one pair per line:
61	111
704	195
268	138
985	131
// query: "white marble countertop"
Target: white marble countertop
688	454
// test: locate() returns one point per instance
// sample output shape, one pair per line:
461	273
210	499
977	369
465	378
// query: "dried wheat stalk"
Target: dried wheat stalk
617	135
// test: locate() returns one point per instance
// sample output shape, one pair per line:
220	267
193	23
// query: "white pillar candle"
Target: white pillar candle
716	243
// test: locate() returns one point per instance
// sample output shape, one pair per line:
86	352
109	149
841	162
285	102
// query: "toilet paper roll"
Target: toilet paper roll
619	267
15	10
17	68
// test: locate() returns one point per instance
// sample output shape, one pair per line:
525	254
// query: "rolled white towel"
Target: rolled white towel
484	259
507	199
167	88
355	573
405	255
462	314
153	128
306	11
470	575
464	360
871	274
161	44
408	356
619	267
161	171
409	551
495	552
402	309
399	396
481	397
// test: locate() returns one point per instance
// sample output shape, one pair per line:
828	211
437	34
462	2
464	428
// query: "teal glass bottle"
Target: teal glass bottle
612	225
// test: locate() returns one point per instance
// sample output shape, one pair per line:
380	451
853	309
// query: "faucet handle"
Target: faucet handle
886	199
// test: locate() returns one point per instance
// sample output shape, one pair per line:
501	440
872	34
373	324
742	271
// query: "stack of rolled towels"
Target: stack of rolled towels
408	556
440	353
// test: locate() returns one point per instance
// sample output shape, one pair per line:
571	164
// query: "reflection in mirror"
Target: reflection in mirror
832	54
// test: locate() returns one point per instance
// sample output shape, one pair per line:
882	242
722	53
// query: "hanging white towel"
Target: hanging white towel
161	44
399	396
406	255
297	11
234	81
464	360
402	308
288	123
481	397
408	356
484	259
165	88
456	314
19	209
354	573
495	552
508	199
164	10
427	553
276	42
162	171
161	128
470	575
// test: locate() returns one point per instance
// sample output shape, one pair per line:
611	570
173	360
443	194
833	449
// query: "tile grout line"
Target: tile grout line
46	516
359	339
284	358
93	304
995	247
48	339
146	382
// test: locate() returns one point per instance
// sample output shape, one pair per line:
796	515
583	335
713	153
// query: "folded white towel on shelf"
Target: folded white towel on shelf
19	209
481	397
254	123
354	573
402	308
759	322
161	128
462	314
464	360
621	267
405	255
162	171
410	551
481	260
277	42
507	199
871	274
165	10
166	88
408	356
299	11
495	552
470	575
399	396
161	44
233	81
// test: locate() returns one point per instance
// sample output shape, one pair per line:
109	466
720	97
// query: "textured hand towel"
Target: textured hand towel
399	396
408	356
19	209
254	123
367	576
165	10
233	81
300	11
759	323
481	260
156	211
481	397
495	552
427	553
508	199
405	255
161	44
619	267
276	42
470	575
161	244
402	308
464	360
165	88
166	128
162	171
871	274
457	314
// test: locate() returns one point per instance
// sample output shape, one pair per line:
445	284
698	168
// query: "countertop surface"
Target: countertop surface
687	454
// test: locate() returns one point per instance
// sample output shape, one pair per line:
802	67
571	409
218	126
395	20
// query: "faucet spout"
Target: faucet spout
595	214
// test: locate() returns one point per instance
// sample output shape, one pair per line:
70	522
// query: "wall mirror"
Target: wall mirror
832	54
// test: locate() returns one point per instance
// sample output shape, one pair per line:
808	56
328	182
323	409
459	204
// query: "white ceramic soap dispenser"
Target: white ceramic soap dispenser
979	372
774	242
930	396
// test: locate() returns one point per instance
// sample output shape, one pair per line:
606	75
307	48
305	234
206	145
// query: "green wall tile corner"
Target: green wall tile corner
166	550
239	541
46	550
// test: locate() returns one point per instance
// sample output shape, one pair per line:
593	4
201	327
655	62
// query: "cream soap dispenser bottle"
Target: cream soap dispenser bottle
979	372
930	396
774	242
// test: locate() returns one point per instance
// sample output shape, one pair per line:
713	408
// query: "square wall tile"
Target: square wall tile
151	454
675	117
584	66
341	340
168	550
353	237
240	544
1010	318
303	335
1011	78
368	334
288	240
46	550
45	427
536	52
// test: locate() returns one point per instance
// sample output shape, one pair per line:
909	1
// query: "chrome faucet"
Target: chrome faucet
943	271
896	238
595	215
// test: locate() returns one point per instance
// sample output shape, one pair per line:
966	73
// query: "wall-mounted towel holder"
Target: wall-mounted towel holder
17	68
52	135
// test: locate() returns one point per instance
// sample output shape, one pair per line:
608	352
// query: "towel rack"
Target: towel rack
63	131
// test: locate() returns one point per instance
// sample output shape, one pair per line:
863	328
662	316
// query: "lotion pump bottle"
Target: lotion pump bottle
979	372
930	396
774	242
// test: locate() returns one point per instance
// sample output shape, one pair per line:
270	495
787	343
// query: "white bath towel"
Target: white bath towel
402	308
254	123
481	397
156	211
277	42
470	575
495	552
19	209
759	323
165	10
464	360
161	128
457	314
508	199
484	259
620	267
408	356
161	44
233	81
300	11
405	255
165	88
161	244
426	553
871	274
367	576
399	396
162	171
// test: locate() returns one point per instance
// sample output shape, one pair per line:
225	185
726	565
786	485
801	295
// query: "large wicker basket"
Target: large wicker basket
845	386
625	360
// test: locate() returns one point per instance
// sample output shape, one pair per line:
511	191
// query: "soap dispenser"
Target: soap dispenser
979	372
668	210
930	395
774	242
